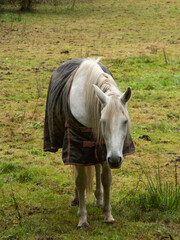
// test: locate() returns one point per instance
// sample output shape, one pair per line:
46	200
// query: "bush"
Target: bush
27	5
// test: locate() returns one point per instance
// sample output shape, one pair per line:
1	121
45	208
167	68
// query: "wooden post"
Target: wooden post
165	57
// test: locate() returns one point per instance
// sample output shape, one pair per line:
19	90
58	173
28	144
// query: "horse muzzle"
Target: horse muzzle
115	161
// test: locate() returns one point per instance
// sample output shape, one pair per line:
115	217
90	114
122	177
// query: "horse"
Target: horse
87	116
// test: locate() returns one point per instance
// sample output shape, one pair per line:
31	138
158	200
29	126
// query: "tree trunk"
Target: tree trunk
25	5
73	3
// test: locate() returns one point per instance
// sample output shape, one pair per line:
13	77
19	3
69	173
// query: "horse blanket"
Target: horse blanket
62	130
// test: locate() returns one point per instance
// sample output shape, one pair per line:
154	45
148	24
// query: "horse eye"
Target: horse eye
126	121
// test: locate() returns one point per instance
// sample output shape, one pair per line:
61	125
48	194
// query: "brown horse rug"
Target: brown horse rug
62	130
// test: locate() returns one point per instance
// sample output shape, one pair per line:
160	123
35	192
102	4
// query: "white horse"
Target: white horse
95	102
91	90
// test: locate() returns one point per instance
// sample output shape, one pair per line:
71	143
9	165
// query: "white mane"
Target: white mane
106	83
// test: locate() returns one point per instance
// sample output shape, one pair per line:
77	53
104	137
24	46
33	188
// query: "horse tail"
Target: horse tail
90	176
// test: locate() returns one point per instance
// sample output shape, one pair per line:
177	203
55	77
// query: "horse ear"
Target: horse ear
126	95
101	95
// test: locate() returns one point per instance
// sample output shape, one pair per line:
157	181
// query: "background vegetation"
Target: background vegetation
28	5
139	41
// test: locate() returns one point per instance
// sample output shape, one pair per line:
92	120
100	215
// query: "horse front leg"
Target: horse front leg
99	191
106	181
81	182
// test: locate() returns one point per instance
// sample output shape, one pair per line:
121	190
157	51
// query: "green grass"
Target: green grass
130	35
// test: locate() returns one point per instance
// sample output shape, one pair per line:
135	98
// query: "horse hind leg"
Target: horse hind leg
98	192
81	182
106	181
75	201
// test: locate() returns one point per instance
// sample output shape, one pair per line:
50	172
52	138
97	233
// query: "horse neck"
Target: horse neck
82	92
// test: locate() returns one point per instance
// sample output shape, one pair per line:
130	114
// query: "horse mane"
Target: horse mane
106	83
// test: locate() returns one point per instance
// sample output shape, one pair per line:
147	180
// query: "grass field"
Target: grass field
140	42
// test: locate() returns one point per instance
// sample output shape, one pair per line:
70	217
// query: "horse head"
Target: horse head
114	123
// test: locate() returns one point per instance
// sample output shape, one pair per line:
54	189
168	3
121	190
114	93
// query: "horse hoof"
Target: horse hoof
111	223
83	225
75	202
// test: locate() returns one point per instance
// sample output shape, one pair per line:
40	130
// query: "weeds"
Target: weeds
7	168
160	194
162	126
16	207
38	152
24	176
173	115
36	125
17	118
159	200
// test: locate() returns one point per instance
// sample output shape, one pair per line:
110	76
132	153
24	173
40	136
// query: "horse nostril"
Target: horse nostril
114	162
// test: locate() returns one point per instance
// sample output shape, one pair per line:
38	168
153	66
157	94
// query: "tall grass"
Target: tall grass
160	194
160	199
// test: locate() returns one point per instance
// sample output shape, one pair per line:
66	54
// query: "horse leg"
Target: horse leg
106	181
99	191
81	182
75	201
